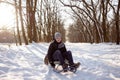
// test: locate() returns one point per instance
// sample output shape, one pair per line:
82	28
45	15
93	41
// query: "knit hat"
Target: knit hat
57	34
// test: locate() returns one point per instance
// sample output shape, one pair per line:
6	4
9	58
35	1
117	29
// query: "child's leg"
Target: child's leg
58	56
69	57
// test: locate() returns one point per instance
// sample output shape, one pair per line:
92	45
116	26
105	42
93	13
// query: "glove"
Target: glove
46	60
52	64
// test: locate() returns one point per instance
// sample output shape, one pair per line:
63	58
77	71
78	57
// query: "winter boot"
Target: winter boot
65	67
74	67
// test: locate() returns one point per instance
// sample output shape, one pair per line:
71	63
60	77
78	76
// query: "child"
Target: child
57	52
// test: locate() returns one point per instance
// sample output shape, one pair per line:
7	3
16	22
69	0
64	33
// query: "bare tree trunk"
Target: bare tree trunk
31	20
117	24
18	31
40	23
35	36
22	26
15	38
104	18
29	28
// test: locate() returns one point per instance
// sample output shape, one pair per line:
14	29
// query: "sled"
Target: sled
58	68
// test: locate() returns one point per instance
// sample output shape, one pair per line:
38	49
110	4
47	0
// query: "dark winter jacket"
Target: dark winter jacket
53	47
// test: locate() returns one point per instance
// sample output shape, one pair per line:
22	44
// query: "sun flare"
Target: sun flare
6	15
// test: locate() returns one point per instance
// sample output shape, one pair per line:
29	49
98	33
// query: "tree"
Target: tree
89	11
93	19
116	20
117	24
17	22
22	26
49	20
31	20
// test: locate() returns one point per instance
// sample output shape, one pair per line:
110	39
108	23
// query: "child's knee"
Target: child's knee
69	52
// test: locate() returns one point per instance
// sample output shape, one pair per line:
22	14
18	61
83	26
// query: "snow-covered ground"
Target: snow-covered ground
98	62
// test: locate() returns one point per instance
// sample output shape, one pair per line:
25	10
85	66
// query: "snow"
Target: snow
98	62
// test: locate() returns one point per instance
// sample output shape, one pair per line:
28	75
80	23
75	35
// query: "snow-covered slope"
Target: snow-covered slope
98	62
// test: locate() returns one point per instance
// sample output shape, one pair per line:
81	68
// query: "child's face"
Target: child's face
58	39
